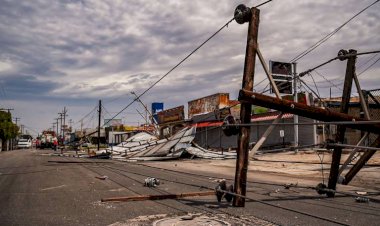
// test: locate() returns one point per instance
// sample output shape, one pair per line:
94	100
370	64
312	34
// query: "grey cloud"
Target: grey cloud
25	87
71	49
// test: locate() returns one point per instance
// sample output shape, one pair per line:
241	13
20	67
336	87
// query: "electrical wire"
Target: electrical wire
173	68
316	94
261	4
369	66
265	202
321	159
183	60
337	85
369	60
336	58
315	84
328	36
83	118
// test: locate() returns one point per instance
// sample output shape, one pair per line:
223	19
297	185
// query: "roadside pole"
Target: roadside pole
244	14
99	121
295	100
339	137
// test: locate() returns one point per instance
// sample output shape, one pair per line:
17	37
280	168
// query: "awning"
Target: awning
207	124
270	117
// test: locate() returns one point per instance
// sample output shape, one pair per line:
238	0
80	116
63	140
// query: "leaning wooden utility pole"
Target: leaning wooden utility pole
99	121
339	137
244	14
361	162
64	124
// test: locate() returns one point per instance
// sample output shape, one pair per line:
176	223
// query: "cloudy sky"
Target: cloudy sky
73	53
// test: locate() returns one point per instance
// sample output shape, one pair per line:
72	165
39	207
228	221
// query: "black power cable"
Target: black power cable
328	36
183	60
173	68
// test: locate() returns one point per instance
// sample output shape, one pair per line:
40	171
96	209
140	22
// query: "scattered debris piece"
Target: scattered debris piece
362	199
140	220
146	147
151	182
101	177
81	162
221	186
51	188
320	188
187	217
221	190
211	206
105	205
288	186
361	192
102	155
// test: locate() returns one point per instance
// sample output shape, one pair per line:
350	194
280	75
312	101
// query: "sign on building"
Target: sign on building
282	76
171	115
157	107
208	104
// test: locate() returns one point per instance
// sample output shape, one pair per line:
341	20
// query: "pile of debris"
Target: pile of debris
145	147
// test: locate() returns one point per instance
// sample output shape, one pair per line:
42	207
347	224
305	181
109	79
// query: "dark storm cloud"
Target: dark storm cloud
77	52
26	87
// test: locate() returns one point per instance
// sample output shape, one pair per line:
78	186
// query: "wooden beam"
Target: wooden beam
157	197
304	110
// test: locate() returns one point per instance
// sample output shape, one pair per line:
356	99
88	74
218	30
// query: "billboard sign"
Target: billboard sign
171	115
208	104
157	107
282	76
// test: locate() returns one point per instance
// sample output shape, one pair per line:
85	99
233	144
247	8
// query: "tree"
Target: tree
8	130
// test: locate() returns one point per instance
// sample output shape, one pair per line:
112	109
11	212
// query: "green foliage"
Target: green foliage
8	130
259	110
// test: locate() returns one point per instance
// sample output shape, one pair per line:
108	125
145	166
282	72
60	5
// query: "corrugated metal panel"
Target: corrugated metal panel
306	132
214	138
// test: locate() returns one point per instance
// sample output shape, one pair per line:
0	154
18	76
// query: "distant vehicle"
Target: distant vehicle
24	143
46	140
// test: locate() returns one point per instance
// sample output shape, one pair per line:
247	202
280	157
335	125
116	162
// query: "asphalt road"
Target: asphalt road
37	188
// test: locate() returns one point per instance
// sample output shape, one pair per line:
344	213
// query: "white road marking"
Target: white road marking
45	189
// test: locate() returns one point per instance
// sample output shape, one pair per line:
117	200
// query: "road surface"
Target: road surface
40	188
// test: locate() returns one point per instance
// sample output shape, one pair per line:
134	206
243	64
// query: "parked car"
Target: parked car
24	143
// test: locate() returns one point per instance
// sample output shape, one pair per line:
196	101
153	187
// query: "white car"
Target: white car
24	143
